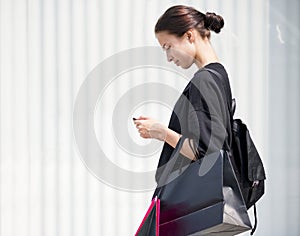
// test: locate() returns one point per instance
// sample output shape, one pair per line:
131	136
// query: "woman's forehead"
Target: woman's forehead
165	37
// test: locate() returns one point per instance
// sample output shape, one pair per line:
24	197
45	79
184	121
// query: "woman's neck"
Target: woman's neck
205	53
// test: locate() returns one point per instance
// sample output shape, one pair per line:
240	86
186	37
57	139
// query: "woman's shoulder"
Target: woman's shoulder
204	76
217	66
201	73
205	83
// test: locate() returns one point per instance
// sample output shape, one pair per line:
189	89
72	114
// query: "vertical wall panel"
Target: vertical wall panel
35	116
20	109
284	111
7	137
50	116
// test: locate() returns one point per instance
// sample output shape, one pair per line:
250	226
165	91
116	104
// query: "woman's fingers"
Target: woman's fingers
139	123
150	128
140	126
144	133
143	118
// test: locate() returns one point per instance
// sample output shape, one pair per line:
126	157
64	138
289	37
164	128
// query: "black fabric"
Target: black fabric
201	115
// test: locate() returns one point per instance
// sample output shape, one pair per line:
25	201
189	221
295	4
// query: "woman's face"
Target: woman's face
180	50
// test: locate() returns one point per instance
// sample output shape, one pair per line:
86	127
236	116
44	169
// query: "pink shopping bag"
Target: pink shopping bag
150	223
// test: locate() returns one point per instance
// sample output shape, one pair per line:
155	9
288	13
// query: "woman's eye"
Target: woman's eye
167	48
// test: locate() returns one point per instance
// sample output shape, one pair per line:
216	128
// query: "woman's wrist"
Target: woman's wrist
172	137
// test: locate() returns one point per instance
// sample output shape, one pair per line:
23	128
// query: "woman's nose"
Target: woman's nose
169	57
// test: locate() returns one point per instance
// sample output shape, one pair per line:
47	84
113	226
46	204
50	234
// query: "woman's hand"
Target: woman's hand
150	128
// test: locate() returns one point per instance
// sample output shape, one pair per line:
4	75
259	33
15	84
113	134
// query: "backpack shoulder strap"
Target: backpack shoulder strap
255	220
231	106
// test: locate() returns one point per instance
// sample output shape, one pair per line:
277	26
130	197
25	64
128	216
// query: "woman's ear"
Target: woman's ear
190	35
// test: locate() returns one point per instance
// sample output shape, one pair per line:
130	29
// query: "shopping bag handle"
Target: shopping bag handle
164	177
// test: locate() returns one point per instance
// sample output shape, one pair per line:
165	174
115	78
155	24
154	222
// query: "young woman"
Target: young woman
201	114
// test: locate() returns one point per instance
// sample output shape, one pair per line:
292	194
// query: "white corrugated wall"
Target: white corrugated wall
50	49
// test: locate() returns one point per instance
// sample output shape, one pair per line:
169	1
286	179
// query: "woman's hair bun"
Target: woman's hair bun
213	22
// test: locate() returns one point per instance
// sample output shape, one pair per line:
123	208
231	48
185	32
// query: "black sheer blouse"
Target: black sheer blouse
201	114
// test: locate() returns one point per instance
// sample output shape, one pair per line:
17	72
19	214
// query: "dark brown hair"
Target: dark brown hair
179	19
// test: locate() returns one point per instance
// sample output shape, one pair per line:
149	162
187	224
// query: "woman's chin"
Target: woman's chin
185	66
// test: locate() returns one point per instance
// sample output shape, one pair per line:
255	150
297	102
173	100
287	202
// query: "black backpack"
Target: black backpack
248	165
250	169
246	160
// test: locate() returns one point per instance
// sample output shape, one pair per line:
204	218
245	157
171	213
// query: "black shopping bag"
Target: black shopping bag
205	199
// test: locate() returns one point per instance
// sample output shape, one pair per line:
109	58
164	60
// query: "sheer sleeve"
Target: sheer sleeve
206	115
